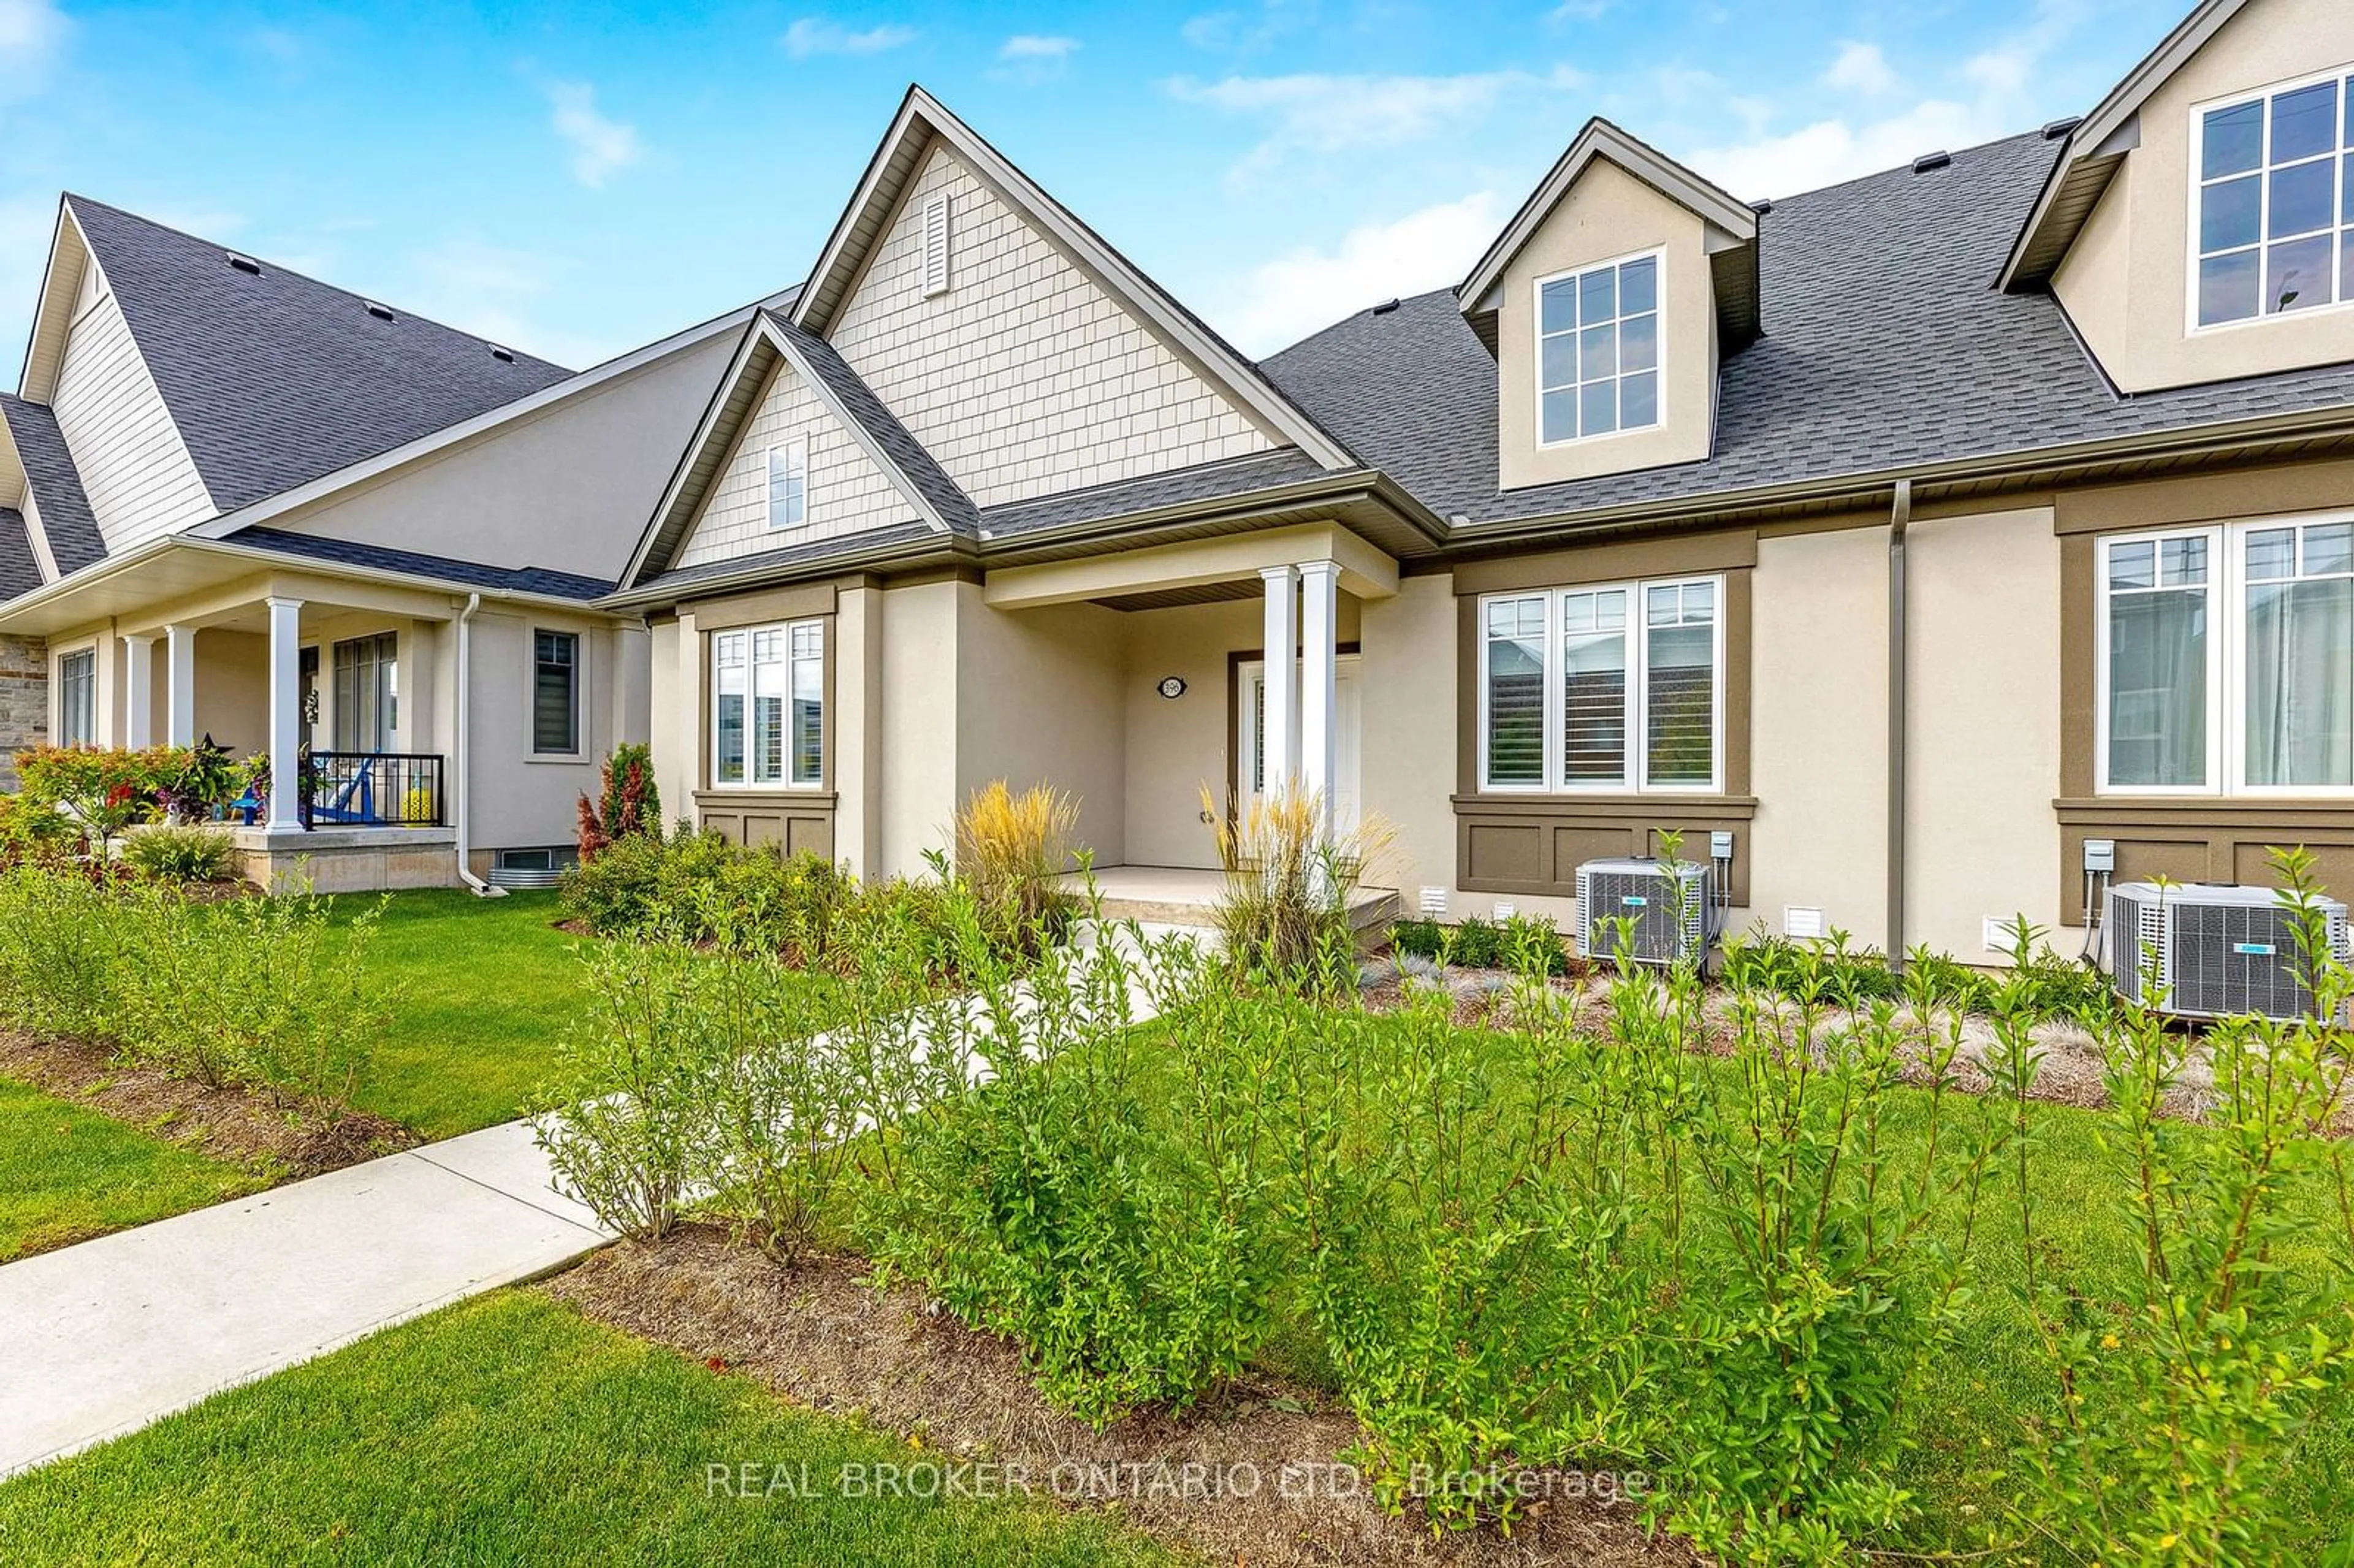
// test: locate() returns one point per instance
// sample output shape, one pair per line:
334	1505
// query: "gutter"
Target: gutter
465	749
1900	518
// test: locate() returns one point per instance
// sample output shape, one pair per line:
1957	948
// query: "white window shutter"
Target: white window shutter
936	246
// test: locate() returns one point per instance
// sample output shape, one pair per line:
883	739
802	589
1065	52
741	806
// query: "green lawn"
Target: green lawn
508	1430
484	989
66	1172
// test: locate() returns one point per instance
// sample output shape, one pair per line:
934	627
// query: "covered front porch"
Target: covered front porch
1211	674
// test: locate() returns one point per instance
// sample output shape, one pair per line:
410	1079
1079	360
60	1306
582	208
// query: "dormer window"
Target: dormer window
1598	350
789	483
2275	201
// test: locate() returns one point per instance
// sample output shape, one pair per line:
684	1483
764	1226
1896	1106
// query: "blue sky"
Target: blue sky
578	179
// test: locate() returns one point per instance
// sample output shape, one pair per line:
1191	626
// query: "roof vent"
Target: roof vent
503	356
1761	208
1928	161
244	263
381	312
1385	307
2055	128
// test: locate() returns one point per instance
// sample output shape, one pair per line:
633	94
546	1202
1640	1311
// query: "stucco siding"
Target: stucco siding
1040	703
517	799
847	493
135	467
1409	718
1819	728
569	487
920	731
1984	700
1025	377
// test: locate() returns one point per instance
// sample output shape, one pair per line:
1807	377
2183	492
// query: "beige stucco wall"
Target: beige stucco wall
676	712
232	688
1984	701
1608	214
570	488
1409	718
1041	701
1175	747
847	493
1819	724
1025	377
921	725
518	799
2125	280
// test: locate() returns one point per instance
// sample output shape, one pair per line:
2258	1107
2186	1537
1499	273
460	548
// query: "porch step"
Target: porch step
1370	909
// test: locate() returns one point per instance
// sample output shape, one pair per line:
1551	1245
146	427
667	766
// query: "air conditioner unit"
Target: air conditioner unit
1665	902
2219	950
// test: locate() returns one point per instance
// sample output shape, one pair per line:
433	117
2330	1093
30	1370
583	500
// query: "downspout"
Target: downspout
459	783
1900	516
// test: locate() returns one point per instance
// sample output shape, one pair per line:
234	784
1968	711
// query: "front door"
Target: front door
1348	742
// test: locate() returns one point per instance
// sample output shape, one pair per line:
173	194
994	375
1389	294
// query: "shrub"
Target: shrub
1012	850
190	853
1477	944
687	886
628	804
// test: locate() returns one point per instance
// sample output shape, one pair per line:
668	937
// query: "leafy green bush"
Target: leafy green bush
688	885
1477	944
190	853
262	991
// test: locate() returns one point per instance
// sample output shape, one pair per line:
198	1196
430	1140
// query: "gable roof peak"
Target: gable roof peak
921	121
1732	226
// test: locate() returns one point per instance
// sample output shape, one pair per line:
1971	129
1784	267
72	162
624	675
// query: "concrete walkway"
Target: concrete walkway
103	1337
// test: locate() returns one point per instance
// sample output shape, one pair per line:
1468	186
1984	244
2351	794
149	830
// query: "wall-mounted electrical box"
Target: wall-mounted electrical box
1720	844
2101	854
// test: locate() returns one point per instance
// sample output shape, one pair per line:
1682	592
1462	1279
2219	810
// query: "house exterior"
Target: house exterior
1912	531
245	504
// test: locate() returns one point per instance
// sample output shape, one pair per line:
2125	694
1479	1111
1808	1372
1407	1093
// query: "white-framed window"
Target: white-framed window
77	697
936	246
1610	686
2225	659
2272	220
1598	350
789	483
555	692
768	706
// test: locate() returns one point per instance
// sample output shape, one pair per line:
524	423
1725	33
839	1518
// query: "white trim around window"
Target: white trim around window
2238	641
2312	177
768	706
1604	343
1607	664
785	466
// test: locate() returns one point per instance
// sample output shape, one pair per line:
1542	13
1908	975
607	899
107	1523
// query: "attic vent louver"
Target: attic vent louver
2055	128
1385	307
381	312
1928	161
244	263
936	247
503	356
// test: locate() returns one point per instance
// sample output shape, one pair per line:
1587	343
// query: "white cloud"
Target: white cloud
1861	67
599	146
1034	58
819	36
1319	113
1280	300
1246	32
32	33
1989	97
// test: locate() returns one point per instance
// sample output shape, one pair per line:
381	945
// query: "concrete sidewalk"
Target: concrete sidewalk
103	1337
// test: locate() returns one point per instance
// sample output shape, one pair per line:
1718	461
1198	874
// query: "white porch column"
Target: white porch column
1280	701
180	686
285	713
1320	627
139	693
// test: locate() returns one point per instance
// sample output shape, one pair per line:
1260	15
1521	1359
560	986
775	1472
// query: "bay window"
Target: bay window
1610	687
2226	659
767	712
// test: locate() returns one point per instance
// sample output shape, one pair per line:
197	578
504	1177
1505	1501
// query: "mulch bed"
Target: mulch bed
819	1335
244	1126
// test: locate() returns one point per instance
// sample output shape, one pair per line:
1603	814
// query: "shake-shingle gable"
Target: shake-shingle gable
273	379
1887	348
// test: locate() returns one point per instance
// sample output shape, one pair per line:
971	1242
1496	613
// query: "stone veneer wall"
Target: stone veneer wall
24	700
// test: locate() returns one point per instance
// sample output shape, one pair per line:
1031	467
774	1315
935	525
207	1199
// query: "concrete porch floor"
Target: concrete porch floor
1188	895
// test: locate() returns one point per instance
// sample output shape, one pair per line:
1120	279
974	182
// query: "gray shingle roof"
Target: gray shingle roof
20	572
794	557
65	516
276	379
1203	482
1885	347
542	580
915	462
